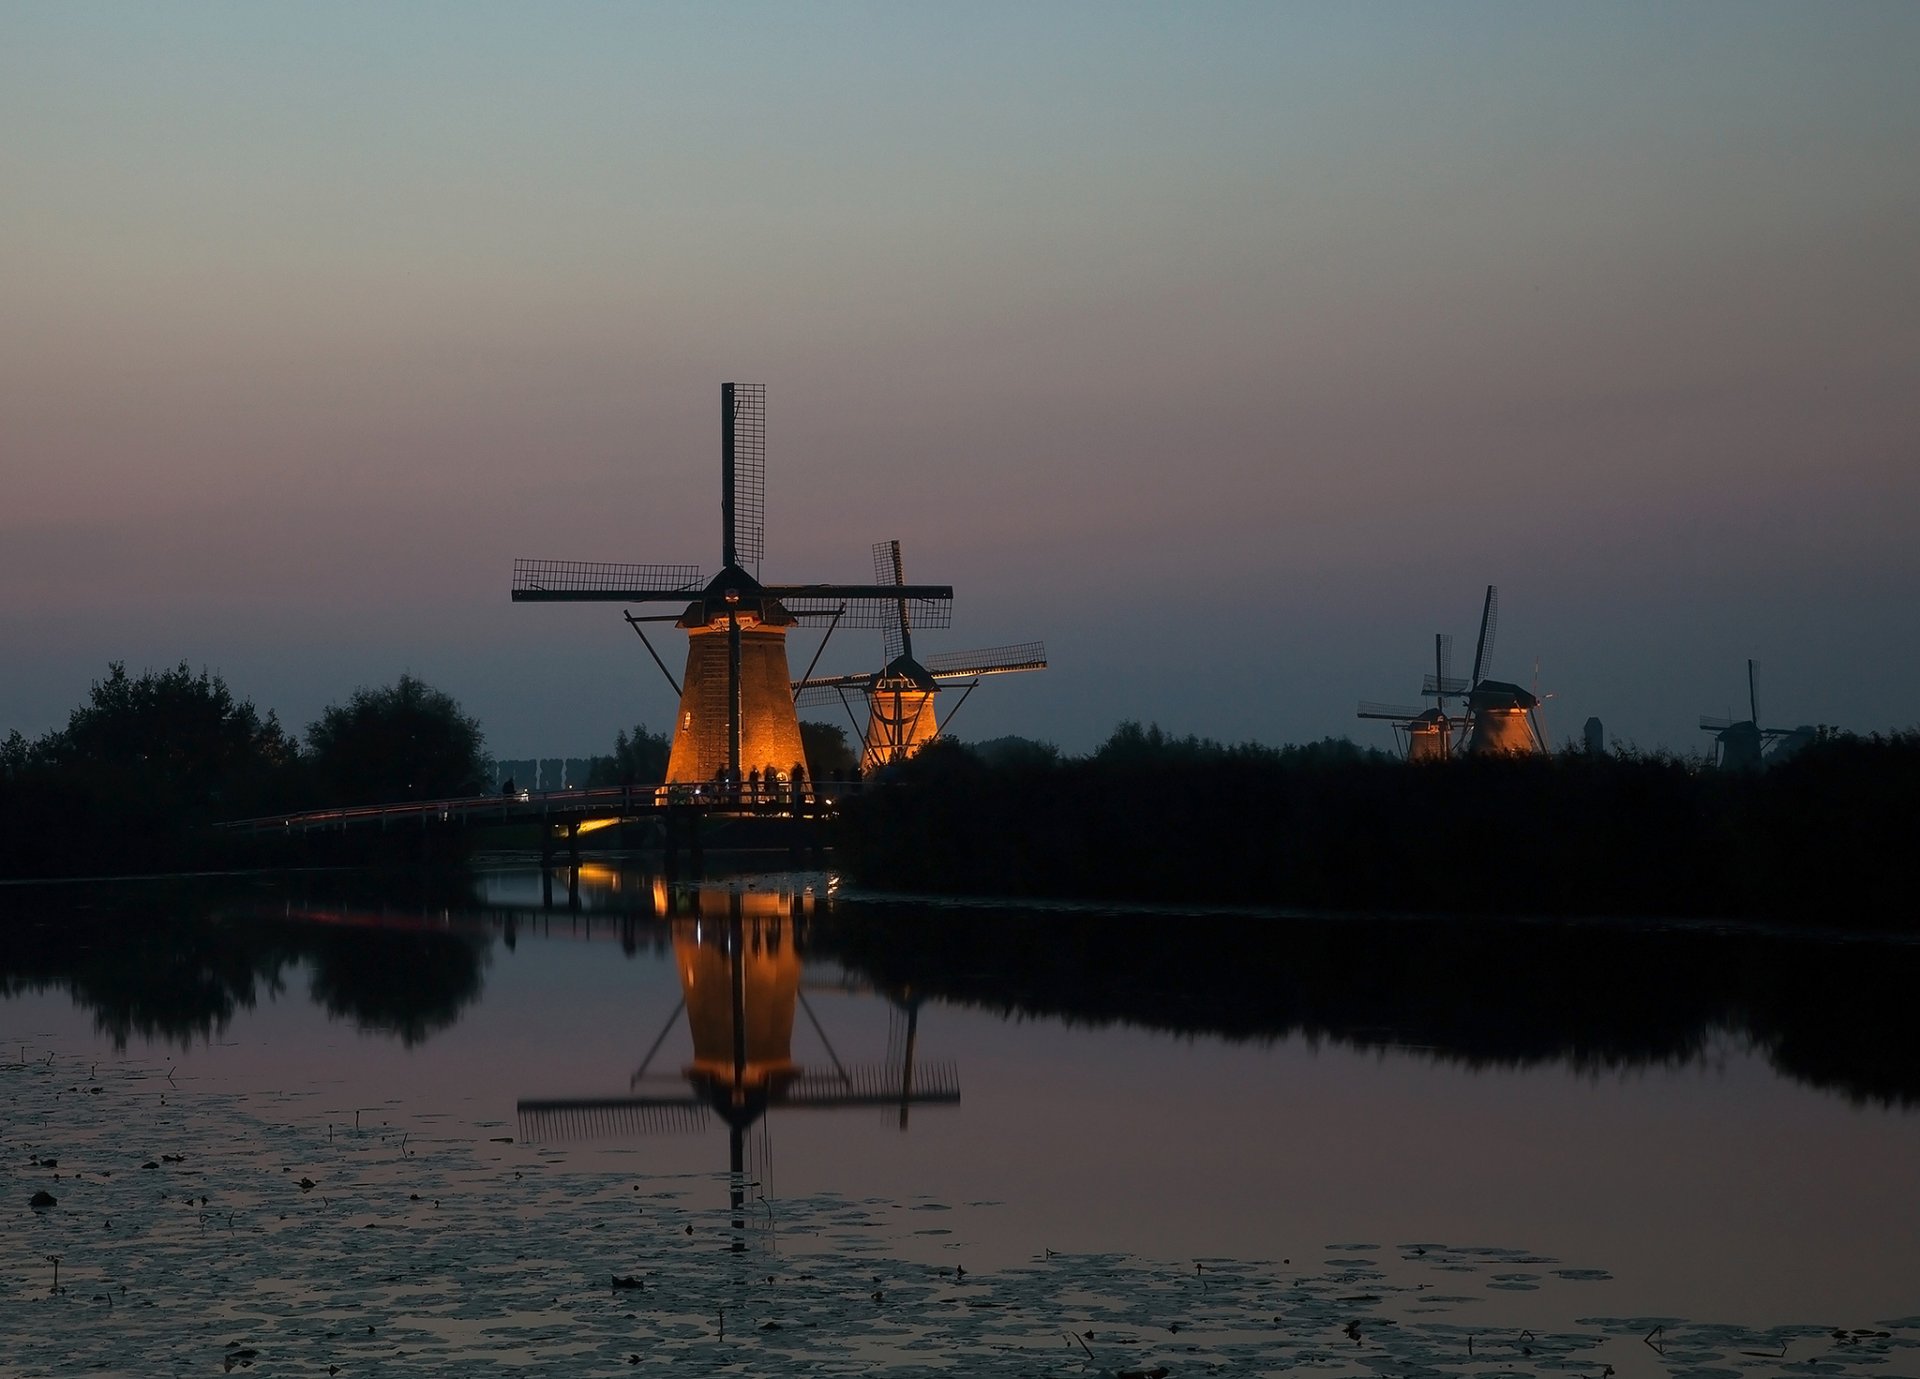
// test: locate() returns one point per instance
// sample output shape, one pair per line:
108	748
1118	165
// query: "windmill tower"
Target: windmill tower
1745	745
1425	734
900	716
736	708
1500	714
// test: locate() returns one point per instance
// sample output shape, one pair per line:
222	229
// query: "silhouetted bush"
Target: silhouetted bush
137	775
637	760
408	741
1817	839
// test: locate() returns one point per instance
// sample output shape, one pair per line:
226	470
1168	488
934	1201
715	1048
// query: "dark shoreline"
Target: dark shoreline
1818	840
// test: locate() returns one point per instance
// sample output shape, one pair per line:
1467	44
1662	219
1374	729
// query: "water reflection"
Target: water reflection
176	962
1834	1013
408	956
738	957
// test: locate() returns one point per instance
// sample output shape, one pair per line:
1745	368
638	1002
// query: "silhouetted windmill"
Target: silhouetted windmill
736	704
900	714
1743	745
1428	733
1500	714
740	982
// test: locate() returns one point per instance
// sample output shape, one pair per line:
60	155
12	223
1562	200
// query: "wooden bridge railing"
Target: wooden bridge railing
567	806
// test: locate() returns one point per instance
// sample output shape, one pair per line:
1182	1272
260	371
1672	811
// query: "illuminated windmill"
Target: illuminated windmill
736	704
900	715
1500	714
739	962
1743	745
1425	734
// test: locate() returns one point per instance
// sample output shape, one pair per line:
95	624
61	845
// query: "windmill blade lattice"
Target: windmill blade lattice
1450	686
587	1118
868	609
747	436
1489	624
992	660
1399	713
888	568
809	694
599	580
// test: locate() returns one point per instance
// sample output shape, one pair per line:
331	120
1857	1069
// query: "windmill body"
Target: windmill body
1747	746
900	715
1500	717
1429	737
1500	720
1425	734
901	718
735	610
736	707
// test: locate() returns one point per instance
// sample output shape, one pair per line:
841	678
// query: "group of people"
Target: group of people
765	785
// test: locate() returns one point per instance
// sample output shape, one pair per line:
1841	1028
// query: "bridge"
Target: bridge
562	817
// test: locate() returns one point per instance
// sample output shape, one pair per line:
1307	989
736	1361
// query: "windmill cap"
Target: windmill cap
736	590
905	668
1493	694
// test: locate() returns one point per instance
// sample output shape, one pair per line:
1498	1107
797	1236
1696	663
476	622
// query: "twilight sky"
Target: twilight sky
1232	349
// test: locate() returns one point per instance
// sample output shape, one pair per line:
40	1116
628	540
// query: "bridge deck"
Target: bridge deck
562	807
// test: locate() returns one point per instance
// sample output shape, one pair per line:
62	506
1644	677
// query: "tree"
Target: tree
175	741
409	741
637	760
827	751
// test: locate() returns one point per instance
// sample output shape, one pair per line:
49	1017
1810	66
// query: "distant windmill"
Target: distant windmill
736	704
1745	745
900	715
1425	734
1500	714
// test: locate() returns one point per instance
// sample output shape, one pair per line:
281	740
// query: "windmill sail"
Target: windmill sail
567	581
1483	650
1398	713
992	660
868	606
743	474
889	569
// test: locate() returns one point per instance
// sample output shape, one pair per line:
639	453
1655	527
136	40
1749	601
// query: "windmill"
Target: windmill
736	704
1425	734
739	960
900	715
1500	714
1745	745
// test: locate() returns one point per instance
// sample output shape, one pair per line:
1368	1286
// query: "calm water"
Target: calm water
1725	1123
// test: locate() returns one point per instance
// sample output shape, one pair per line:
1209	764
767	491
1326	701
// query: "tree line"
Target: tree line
148	763
1821	838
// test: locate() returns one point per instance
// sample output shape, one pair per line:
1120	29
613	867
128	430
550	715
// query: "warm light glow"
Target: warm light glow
769	727
898	725
771	983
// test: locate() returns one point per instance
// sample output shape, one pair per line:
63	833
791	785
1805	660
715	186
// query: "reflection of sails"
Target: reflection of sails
738	957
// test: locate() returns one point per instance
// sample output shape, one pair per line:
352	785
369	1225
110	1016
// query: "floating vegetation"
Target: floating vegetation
268	1237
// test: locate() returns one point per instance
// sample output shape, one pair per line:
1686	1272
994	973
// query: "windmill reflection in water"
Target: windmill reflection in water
742	982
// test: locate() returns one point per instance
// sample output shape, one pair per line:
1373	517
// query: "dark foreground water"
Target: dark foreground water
407	1127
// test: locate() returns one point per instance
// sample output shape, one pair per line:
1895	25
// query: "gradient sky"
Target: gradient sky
1233	349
